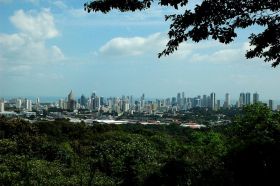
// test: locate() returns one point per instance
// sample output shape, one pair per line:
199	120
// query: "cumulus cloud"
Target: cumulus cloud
133	46
28	46
219	56
40	26
137	47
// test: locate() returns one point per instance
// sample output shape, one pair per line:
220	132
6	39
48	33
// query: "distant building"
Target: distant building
204	101
28	105
2	106
179	99
256	98
218	106
37	101
18	103
213	100
247	98
270	104
71	102
197	102
242	99
227	101
83	100
61	104
173	101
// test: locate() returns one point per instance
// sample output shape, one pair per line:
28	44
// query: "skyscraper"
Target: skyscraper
61	104
71	103
227	101
83	100
142	102
179	99
28	105
242	99
218	104
204	101
197	102
247	98
213	100
270	104
18	103
37	101
2	108
256	98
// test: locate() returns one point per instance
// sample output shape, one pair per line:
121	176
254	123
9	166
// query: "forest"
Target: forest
245	152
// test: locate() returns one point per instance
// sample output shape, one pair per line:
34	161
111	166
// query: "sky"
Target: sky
49	47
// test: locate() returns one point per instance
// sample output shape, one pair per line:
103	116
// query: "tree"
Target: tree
217	19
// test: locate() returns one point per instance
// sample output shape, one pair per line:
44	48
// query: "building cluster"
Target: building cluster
127	104
179	103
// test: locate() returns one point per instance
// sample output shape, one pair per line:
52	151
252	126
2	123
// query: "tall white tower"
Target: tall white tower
227	101
2	107
213	100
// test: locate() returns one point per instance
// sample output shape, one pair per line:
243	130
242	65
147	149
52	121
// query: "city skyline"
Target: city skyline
244	98
130	104
47	47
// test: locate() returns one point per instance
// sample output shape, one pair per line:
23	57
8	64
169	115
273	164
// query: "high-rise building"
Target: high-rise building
93	95
256	98
142	102
61	103
213	100
37	103
270	104
197	102
227	101
2	106
247	98
97	103
71	102
218	106
18	103
83	100
242	99
204	101
178	99
173	101
28	105
130	100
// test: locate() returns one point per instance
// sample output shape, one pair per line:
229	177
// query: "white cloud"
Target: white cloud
133	46
220	56
150	46
39	26
22	50
141	46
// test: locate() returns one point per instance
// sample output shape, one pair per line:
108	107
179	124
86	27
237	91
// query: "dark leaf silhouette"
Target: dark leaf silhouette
216	19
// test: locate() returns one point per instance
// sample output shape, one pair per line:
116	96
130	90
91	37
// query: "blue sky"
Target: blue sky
49	47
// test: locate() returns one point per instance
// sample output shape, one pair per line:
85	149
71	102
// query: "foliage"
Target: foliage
245	152
217	19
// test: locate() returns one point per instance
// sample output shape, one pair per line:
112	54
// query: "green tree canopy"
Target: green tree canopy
216	19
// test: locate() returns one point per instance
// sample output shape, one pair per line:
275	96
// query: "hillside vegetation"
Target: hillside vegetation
245	152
